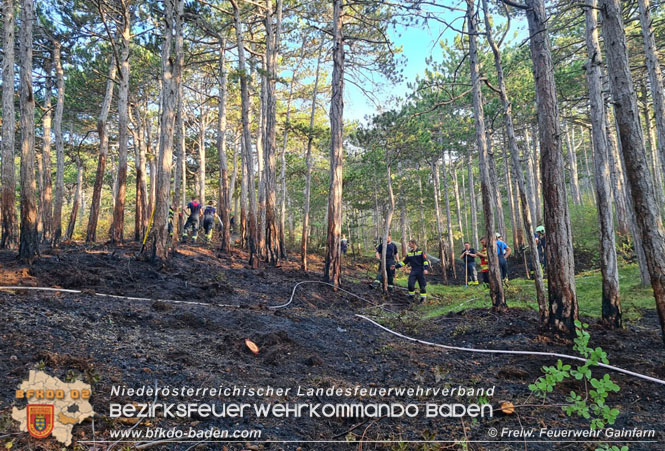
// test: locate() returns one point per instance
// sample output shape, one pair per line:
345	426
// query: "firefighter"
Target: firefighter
192	222
209	215
417	259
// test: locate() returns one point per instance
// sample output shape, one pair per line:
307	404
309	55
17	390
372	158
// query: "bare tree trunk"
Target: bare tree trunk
496	285
653	152
204	120
617	177
252	235
530	177
117	227
449	221
170	81
180	191
233	198
645	277
138	136
655	77
472	199
224	203
537	182
333	262
46	193
572	163
260	157
611	303
243	195
28	245
499	218
272	242
632	146
8	196
458	208
423	231
402	211
387	222
77	200
59	142
91	234
439	226
560	261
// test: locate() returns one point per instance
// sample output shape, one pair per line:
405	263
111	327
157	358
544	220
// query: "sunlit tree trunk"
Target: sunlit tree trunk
252	235
472	200
179	140
439	225
496	285
272	242
655	77
8	196
117	227
611	303
559	248
91	234
333	262
632	146
224	203
28	244
76	204
46	192
170	80
59	142
449	221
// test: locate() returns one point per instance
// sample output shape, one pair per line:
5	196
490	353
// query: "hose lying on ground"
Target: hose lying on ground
365	318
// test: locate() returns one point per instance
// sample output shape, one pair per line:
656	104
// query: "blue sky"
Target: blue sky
418	45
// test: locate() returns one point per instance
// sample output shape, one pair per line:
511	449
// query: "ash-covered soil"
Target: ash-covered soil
317	341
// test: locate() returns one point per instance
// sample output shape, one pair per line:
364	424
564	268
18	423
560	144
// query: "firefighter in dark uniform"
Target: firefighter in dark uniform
417	259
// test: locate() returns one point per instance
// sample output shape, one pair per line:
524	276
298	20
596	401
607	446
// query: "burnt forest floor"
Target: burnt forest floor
317	341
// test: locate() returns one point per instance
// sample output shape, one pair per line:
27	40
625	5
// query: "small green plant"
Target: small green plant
606	447
593	405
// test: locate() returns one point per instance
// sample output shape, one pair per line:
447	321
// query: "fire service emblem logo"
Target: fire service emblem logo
40	419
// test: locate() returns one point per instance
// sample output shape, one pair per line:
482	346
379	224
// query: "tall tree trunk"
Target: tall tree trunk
402	211
46	194
526	195
655	77
203	127
572	164
76	204
260	157
59	142
91	234
632	146
537	182
559	251
472	201
243	195
285	138
423	232
617	178
180	192
458	209
496	285
252	235
233	198
117	227
170	81
530	176
8	196
439	226
138	136
272	242
611	303
387	222
653	152
224	202
28	245
333	262
449	221
499	218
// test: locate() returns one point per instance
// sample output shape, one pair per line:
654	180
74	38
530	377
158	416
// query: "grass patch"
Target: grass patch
521	293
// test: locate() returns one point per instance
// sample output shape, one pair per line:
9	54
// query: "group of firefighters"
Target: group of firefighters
417	260
415	257
197	215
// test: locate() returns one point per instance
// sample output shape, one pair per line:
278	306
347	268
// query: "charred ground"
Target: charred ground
315	342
